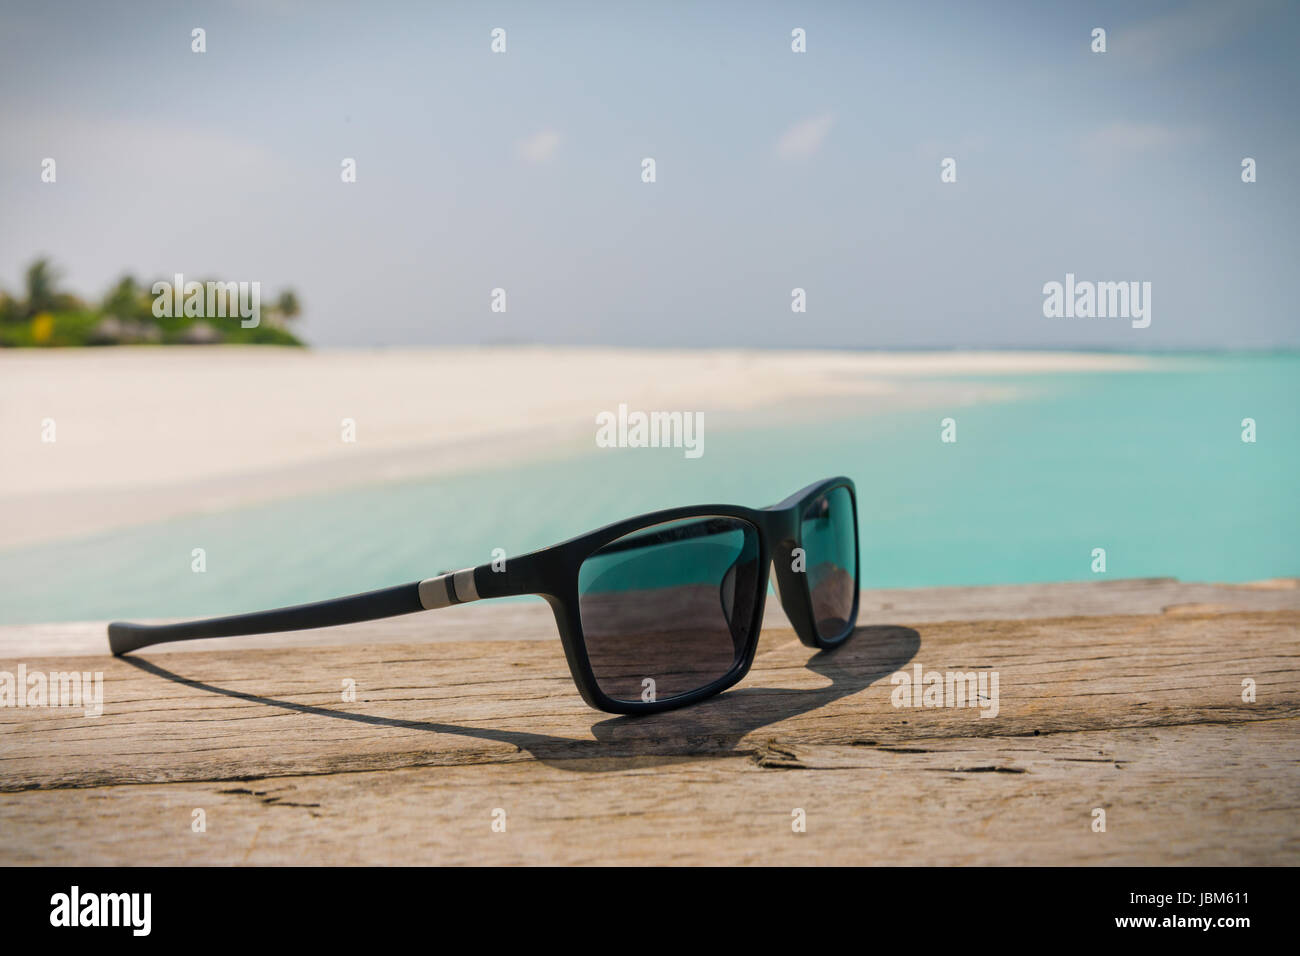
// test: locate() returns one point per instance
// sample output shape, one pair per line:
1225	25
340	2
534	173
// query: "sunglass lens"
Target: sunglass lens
670	609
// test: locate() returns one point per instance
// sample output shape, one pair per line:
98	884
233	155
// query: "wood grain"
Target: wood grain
1140	714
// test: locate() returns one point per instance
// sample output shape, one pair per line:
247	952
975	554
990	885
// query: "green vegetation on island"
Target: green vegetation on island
133	313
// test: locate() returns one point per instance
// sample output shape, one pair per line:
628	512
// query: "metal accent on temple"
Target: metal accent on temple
454	587
466	590
435	593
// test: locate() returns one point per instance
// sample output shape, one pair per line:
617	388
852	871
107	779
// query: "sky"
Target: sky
775	170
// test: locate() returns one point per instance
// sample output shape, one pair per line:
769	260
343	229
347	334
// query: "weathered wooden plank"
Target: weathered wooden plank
262	712
1141	714
1207	794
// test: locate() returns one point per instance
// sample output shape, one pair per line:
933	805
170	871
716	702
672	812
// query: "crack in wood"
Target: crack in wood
986	769
772	755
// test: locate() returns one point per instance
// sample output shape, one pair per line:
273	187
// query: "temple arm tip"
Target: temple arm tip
123	637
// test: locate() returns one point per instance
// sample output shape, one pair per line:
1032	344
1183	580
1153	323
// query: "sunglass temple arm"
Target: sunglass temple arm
443	590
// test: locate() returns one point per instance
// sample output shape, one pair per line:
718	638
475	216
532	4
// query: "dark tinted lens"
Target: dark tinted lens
669	609
829	536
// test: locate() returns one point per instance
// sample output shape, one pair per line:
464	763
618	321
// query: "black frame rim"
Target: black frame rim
552	573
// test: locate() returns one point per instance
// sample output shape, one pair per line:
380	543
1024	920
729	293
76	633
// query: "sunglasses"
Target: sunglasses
654	612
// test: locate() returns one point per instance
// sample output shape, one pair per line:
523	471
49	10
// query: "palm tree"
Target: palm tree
124	299
41	281
287	305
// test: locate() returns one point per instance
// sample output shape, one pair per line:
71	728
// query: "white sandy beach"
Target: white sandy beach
148	433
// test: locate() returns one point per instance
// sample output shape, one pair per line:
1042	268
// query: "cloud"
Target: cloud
804	138
539	147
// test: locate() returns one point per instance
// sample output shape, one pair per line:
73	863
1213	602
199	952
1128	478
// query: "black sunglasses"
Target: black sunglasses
655	612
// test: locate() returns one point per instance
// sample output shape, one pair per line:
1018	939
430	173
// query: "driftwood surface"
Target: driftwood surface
1124	696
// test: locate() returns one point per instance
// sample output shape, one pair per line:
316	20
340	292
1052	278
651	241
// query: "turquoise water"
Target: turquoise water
1148	465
